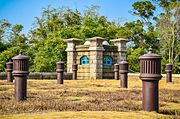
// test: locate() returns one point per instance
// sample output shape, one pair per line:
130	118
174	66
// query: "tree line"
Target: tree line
45	46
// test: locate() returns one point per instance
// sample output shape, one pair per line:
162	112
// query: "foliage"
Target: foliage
53	50
4	26
168	26
144	9
46	38
133	58
6	55
44	42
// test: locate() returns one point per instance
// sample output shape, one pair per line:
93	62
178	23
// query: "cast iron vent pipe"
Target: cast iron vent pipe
150	74
9	69
168	72
74	69
20	72
60	72
116	71
123	74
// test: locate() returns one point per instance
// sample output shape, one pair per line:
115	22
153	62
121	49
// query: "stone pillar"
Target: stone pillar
121	43
71	52
96	57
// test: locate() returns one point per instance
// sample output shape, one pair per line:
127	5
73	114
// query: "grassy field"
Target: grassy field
82	99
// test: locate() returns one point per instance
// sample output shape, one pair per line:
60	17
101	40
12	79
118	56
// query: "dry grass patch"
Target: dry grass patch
87	95
90	115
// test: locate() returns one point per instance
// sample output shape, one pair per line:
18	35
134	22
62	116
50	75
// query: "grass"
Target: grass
87	99
90	115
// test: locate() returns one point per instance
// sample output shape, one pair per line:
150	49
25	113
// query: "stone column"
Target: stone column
121	43
71	52
96	57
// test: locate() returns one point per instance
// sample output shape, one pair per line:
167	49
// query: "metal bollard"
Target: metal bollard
150	74
168	73
20	72
9	69
74	69
116	71
60	72
123	74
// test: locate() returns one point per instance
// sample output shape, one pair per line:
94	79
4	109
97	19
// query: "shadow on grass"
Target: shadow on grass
170	112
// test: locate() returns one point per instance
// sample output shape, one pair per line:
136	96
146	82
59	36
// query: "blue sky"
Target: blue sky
24	11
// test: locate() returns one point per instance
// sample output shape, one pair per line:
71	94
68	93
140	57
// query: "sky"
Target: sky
24	11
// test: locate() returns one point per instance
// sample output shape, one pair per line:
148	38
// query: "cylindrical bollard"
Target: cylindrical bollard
150	74
74	69
168	72
9	69
123	74
116	71
20	72
60	72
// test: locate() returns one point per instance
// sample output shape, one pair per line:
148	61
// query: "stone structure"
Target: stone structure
95	58
71	52
121	43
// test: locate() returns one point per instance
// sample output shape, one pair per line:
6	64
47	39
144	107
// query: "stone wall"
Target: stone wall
83	70
108	71
41	75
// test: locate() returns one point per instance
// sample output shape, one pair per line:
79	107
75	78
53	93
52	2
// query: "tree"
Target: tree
47	56
6	55
168	26
46	38
145	10
16	38
134	32
133	58
4	27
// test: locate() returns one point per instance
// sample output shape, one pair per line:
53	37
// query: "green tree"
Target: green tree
57	24
6	55
4	27
47	56
168	26
133	58
145	10
16	38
